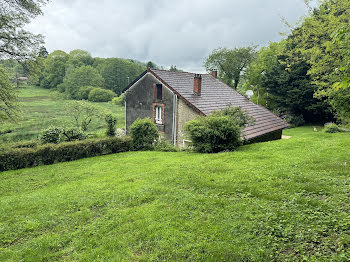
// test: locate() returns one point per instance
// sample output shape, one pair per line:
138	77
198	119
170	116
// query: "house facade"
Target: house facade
171	99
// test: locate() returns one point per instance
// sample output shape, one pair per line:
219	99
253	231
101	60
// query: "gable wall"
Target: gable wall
139	101
184	114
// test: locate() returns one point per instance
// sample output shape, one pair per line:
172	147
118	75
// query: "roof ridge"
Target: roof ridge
166	70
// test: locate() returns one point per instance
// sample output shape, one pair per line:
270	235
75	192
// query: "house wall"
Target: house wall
184	114
139	100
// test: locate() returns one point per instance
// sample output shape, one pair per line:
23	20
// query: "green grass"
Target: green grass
285	200
42	108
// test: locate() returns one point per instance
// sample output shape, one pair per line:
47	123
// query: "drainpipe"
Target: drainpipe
174	119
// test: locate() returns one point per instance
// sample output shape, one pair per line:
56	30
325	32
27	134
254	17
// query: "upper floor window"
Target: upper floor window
159	91
158	115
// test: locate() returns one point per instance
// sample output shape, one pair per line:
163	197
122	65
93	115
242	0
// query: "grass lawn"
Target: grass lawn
286	200
42	108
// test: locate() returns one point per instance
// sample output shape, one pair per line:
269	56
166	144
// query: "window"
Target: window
158	115
159	91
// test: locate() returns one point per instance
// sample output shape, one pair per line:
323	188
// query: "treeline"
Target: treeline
77	74
301	75
304	76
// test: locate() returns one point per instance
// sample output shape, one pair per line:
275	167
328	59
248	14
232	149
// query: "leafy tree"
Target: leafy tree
82	113
144	134
8	97
118	73
54	69
80	77
79	58
111	123
151	65
230	63
15	42
101	95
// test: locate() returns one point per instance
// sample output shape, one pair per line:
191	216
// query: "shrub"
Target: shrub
165	146
111	123
83	92
333	128
120	100
51	135
72	134
213	134
144	134
101	95
68	151
295	120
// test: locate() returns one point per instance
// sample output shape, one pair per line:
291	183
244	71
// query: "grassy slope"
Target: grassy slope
40	109
281	200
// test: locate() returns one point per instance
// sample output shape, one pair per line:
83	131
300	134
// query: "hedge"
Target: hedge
53	153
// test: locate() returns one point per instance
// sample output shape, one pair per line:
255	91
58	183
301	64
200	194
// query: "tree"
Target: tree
8	97
80	77
77	58
82	113
230	63
15	42
54	69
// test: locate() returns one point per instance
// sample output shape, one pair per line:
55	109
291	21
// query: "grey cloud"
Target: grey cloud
180	33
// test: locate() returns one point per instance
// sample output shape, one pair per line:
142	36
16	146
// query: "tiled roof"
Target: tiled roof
216	95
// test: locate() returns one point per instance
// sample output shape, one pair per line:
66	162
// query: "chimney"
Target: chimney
214	73
197	87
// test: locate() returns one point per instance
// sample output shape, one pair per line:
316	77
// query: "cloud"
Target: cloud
180	33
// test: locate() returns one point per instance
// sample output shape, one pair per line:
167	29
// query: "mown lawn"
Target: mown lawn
41	108
286	200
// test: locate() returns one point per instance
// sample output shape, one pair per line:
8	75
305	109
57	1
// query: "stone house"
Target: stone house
173	98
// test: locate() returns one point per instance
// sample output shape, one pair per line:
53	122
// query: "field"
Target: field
42	108
285	200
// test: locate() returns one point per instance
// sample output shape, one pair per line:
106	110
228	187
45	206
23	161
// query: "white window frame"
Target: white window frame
158	115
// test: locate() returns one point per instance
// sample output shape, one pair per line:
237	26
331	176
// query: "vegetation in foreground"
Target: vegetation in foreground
285	200
41	109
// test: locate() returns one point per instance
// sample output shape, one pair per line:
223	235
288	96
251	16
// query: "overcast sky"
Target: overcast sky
181	32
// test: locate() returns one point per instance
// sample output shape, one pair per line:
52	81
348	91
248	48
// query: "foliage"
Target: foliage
295	120
285	200
333	128
101	95
213	134
120	100
236	114
68	151
83	113
144	134
72	134
83	92
118	73
164	146
312	42
15	42
111	121
79	77
230	63
8	97
78	58
54	70
51	135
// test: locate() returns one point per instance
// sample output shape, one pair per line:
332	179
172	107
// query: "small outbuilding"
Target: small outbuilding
173	98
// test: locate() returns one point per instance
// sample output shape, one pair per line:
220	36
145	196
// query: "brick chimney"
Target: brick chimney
197	87
214	73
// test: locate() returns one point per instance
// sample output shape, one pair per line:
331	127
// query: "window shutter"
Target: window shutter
154	91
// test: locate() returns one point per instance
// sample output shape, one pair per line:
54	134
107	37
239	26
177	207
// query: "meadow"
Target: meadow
285	200
42	108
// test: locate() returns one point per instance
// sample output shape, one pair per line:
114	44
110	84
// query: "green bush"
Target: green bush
165	146
144	134
111	123
72	134
295	120
332	128
120	100
83	92
213	134
51	135
68	151
101	95
221	131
